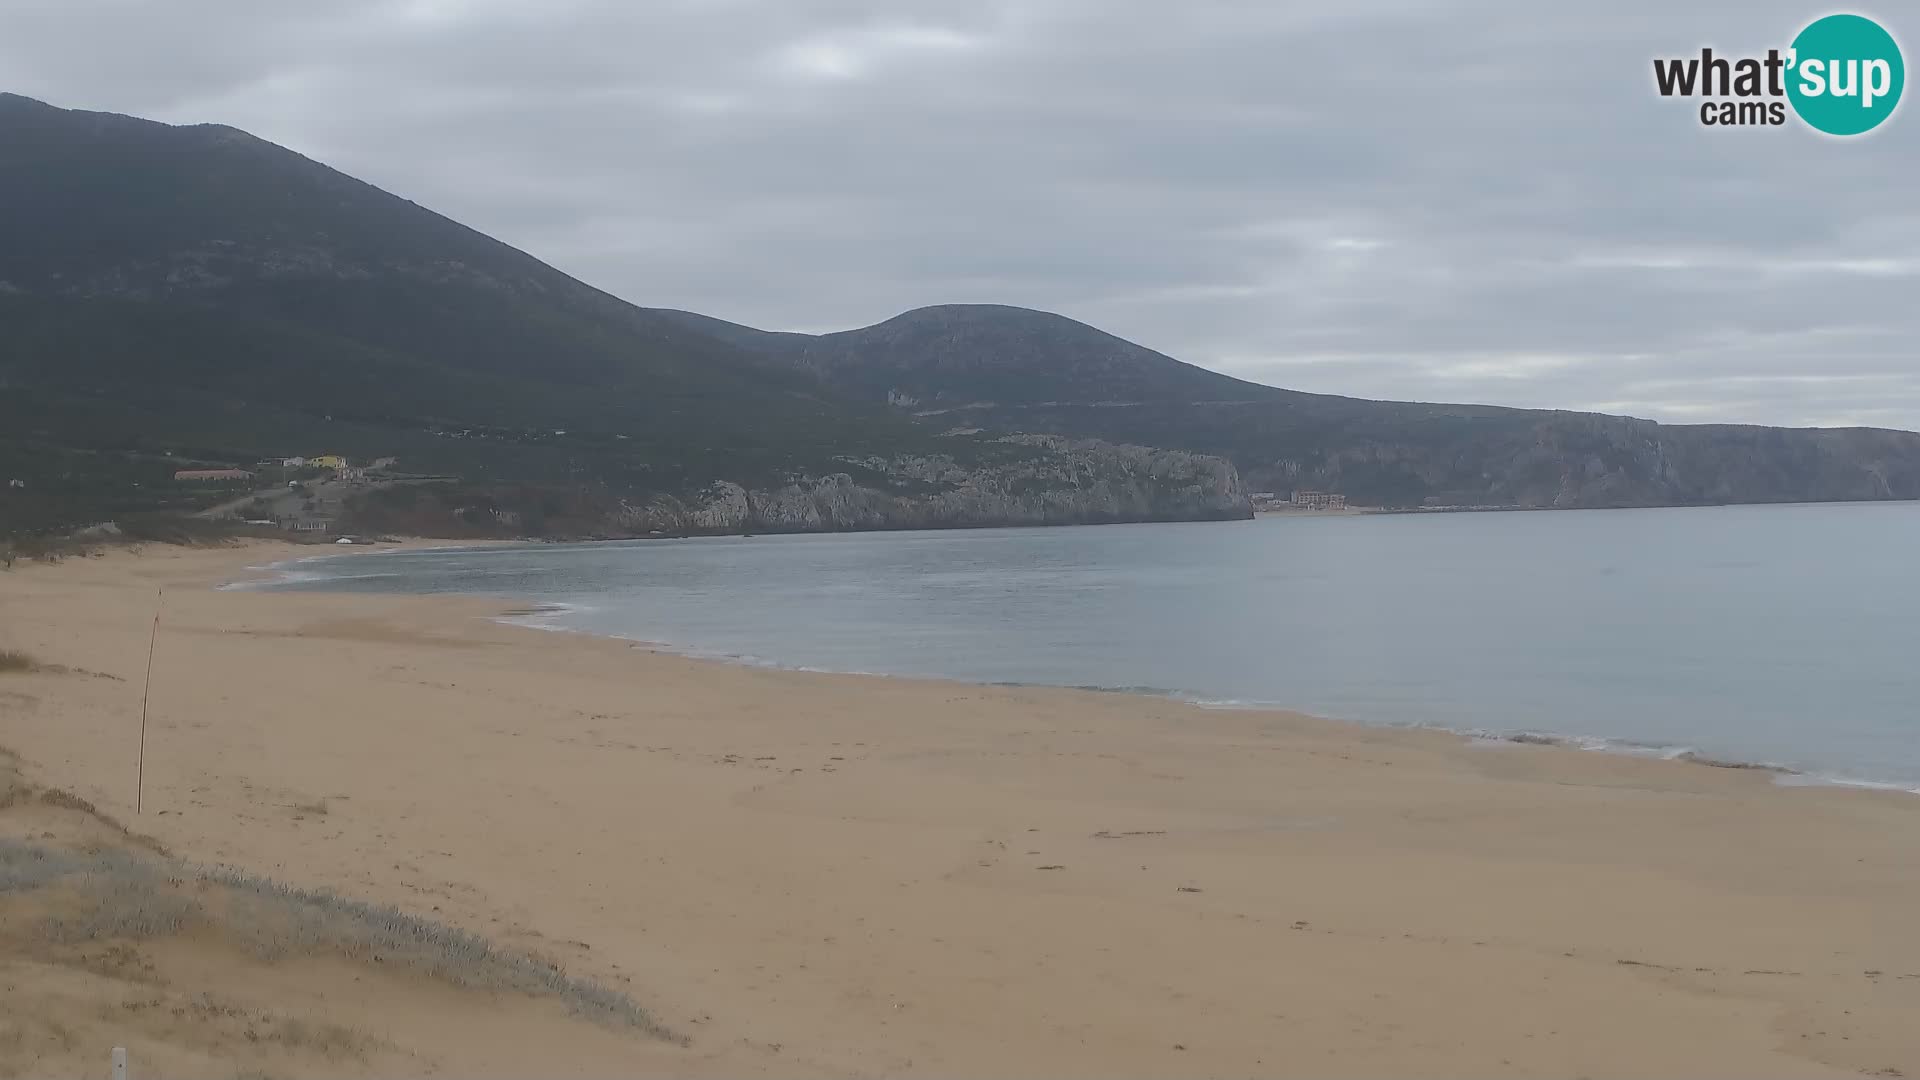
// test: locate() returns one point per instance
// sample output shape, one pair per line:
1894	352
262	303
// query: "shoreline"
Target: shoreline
533	614
818	874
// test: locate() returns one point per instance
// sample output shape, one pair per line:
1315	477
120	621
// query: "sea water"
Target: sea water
1787	635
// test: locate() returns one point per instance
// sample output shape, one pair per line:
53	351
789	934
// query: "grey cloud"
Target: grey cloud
1484	202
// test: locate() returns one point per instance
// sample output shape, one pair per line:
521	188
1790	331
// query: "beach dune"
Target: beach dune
809	874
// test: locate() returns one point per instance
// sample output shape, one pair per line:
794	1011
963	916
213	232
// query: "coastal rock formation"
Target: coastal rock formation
1048	481
1589	460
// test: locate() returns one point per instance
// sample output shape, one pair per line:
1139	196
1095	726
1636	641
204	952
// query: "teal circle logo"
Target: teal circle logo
1846	75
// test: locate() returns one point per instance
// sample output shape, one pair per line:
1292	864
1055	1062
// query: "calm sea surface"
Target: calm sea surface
1782	634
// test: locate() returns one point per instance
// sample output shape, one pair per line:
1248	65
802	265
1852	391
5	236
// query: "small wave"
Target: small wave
1832	780
293	577
1094	688
552	617
1783	775
1233	704
1593	743
250	584
751	660
286	573
298	576
548	615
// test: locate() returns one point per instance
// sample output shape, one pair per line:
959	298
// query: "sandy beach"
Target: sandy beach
816	875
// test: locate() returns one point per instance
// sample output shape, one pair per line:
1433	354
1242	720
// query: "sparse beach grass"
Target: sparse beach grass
12	660
106	897
70	904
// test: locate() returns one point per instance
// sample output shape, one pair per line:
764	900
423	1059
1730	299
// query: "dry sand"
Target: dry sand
835	875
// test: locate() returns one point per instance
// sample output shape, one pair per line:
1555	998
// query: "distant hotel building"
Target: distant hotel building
1319	500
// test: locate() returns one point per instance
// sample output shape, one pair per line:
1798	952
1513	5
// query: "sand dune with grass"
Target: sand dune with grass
390	835
106	940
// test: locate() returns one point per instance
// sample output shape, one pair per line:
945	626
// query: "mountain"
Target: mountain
175	297
1007	368
962	355
203	261
195	295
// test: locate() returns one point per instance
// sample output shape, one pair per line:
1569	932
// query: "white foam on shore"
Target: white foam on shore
1783	775
287	573
753	661
551	616
300	577
547	615
1830	780
1228	704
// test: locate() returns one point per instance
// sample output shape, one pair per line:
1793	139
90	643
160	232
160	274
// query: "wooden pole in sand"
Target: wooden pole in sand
146	688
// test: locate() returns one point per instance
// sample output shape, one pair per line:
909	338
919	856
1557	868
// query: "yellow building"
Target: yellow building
328	461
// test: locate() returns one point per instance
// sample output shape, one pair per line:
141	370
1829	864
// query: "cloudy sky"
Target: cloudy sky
1468	202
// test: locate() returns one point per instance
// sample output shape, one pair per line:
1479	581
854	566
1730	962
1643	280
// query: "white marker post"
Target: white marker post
119	1063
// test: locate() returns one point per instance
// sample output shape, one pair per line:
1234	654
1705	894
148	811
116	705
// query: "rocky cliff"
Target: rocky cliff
1589	460
1048	481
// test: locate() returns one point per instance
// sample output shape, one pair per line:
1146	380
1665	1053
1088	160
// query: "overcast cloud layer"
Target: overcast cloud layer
1385	199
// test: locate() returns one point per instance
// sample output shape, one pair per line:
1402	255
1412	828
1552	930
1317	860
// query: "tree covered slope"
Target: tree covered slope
1016	369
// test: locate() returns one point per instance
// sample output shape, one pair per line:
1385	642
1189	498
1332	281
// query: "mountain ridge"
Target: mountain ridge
176	295
199	294
1388	453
